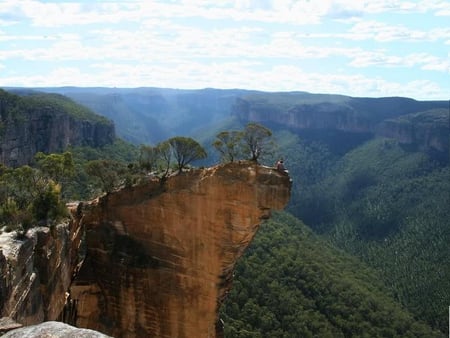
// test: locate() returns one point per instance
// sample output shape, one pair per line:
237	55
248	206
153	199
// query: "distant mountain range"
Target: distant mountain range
150	115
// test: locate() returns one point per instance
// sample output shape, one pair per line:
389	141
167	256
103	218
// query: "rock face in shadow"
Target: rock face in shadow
160	258
48	124
427	130
422	125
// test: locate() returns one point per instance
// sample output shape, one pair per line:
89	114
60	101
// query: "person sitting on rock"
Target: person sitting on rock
280	167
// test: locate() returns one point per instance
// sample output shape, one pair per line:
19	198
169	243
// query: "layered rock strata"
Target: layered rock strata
160	258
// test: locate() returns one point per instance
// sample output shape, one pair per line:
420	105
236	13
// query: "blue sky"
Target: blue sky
358	48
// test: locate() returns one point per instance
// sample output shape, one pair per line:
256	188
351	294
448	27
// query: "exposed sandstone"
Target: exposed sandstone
27	127
36	272
160	259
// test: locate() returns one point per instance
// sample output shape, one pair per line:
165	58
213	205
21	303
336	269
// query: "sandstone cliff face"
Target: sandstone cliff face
36	272
160	259
423	125
49	132
27	127
323	115
426	131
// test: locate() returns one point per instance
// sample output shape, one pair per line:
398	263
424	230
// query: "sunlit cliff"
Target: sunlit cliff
160	257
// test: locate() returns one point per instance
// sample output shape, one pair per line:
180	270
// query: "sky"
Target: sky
351	47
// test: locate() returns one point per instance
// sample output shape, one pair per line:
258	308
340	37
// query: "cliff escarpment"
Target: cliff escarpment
46	123
152	260
421	124
160	259
428	130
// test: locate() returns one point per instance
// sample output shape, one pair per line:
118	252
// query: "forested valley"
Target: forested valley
361	250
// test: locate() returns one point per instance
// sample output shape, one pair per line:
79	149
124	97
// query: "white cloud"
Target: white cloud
230	43
379	58
298	12
379	31
231	75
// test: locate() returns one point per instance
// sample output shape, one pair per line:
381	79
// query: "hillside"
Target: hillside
151	115
47	123
358	119
292	284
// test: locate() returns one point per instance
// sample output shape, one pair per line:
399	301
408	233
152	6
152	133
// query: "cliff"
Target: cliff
421	124
46	123
36	272
428	130
159	258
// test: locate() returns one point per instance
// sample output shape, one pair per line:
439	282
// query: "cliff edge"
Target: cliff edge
160	258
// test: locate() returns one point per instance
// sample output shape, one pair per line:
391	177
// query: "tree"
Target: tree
109	173
229	145
57	167
48	204
148	157
186	150
165	157
258	140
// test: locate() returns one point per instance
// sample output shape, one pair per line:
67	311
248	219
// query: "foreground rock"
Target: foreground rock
36	271
160	259
53	330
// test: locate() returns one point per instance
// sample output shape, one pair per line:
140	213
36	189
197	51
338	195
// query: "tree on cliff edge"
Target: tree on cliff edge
253	143
229	145
257	140
186	150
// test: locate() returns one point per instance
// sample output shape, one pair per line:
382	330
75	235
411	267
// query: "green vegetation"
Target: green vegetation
430	117
228	144
56	102
30	196
14	107
120	157
290	283
254	143
385	204
186	150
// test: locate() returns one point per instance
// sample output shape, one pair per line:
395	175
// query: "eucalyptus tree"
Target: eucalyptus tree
258	141
148	157
186	150
229	145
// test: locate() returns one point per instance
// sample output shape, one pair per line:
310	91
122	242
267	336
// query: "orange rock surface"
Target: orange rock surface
160	258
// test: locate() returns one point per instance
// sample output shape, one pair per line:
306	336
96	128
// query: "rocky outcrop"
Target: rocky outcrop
422	124
53	330
427	130
29	126
36	272
160	258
